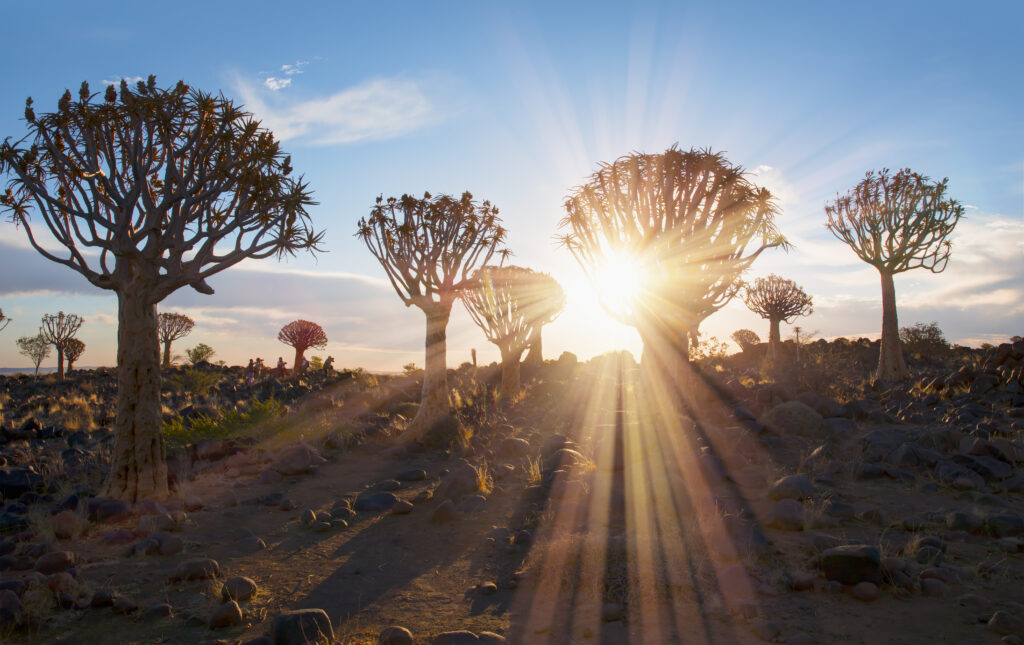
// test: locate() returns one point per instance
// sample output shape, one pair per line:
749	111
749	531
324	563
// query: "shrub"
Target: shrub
924	339
193	381
199	353
179	432
745	338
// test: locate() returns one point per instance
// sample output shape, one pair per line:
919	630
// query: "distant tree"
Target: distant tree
4	320
429	248
171	327
36	348
745	339
1016	339
776	299
800	337
925	339
200	353
410	369
685	219
709	348
510	304
895	223
149	190
73	350
58	329
550	299
302	334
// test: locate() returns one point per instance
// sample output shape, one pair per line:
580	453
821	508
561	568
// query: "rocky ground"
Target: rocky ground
599	509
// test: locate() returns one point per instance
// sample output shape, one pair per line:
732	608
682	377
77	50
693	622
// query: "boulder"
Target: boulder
460	637
239	588
395	636
460	481
375	502
852	564
794	417
226	615
296	460
302	627
55	562
197	569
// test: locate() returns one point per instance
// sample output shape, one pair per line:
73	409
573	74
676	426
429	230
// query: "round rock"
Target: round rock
239	588
395	635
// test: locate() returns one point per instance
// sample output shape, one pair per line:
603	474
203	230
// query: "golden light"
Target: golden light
619	280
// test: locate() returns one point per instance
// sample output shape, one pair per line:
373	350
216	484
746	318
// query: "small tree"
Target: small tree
302	334
685	220
510	304
171	327
895	223
58	330
746	339
777	299
429	247
199	354
36	348
925	339
149	190
4	320
550	302
73	350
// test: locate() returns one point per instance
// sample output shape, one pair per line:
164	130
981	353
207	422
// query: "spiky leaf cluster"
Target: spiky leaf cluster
172	326
73	350
303	334
510	302
776	298
59	328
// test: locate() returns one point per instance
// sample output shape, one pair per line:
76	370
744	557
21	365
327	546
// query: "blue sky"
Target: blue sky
518	103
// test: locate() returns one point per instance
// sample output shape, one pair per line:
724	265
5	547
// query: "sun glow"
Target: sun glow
619	280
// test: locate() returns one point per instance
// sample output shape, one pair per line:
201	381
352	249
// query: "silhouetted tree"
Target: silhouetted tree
73	349
149	190
302	334
36	348
550	299
924	338
776	299
171	327
199	354
685	219
429	247
745	338
895	223
4	320
510	304
58	329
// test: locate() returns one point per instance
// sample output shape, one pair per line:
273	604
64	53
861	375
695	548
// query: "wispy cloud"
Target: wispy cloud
117	80
291	70
378	109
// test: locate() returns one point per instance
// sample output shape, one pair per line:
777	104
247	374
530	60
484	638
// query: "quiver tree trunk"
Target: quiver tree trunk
774	340
891	367
60	361
535	357
138	467
167	354
297	365
434	399
666	357
510	375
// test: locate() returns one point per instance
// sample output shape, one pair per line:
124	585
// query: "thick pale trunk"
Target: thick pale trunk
434	399
891	367
60	362
510	375
297	365
138	469
535	357
668	360
774	340
167	353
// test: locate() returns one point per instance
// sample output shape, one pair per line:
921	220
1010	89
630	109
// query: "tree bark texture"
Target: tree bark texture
138	466
60	361
434	399
774	340
297	365
510	375
891	367
535	357
167	354
666	356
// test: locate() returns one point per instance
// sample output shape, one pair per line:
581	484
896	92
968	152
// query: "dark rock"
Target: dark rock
125	605
792	487
156	612
389	485
445	512
1005	525
1006	624
788	515
415	475
55	562
239	588
10	608
249	545
375	502
14	481
297	460
395	636
851	564
513	448
302	627
101	509
197	569
472	504
226	615
793	417
456	638
103	598
462	480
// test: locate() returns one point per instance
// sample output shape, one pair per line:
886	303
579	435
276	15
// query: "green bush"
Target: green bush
179	432
193	381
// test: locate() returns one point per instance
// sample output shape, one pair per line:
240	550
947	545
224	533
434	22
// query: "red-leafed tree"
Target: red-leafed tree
302	334
776	299
144	191
429	248
511	304
58	330
171	327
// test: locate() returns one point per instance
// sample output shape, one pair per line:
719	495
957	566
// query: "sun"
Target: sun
619	280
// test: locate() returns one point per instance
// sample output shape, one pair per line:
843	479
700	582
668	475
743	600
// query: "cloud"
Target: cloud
277	84
291	70
374	110
117	80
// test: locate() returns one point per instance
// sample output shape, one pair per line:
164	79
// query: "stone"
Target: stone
197	569
866	591
68	524
302	627
794	417
462	480
239	588
1005	525
125	605
513	448
395	635
792	487
460	637
102	598
375	502
839	426
388	485
788	515
802	581
226	615
414	475
153	523
250	545
445	512
157	612
55	562
1006	624
851	564
297	460
10	608
472	504
402	507
934	587
490	638
101	509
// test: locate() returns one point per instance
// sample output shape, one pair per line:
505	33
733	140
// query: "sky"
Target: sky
518	103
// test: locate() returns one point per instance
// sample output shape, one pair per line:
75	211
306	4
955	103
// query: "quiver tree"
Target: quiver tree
547	304
149	190
746	339
895	223
36	348
58	330
683	220
171	327
429	248
511	304
73	350
302	334
4	320
776	299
